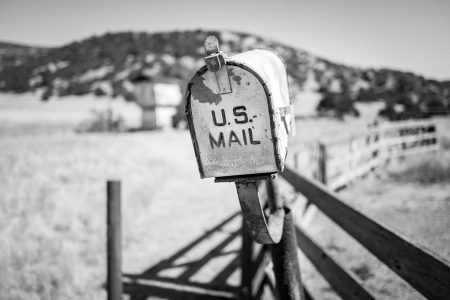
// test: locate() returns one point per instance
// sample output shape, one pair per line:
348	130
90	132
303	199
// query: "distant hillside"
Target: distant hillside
12	54
13	57
105	64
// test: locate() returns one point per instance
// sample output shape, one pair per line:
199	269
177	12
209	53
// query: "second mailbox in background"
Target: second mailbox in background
245	131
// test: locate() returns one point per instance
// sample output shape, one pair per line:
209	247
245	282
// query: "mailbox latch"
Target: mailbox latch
215	61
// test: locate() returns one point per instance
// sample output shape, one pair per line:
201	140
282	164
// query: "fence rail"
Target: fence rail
426	272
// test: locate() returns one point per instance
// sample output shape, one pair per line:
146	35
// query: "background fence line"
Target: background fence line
340	161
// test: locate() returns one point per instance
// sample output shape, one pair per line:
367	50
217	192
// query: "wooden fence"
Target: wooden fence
427	273
423	270
338	162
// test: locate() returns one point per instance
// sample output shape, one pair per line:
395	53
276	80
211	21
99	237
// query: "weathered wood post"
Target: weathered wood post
113	241
322	161
284	254
285	262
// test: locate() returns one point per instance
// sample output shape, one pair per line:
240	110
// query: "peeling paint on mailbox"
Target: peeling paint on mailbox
239	133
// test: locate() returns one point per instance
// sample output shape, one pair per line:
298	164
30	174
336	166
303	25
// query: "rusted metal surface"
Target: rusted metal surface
113	244
215	61
243	132
262	230
233	131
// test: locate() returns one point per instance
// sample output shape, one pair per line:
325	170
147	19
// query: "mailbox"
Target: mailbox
239	114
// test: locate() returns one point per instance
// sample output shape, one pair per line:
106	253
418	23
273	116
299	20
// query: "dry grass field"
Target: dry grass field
52	200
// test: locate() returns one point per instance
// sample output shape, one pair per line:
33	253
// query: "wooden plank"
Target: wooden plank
426	272
405	124
341	168
340	141
344	283
359	153
383	128
386	142
409	139
433	147
348	177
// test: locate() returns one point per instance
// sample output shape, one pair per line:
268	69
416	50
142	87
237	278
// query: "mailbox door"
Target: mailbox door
232	133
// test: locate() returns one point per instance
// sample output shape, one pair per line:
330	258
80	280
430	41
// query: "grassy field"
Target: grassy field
52	201
411	197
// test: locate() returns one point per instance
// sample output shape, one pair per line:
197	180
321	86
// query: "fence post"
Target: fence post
246	263
113	241
322	163
284	254
285	262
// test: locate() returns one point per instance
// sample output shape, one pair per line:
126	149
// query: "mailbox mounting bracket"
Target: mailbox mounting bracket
215	61
264	230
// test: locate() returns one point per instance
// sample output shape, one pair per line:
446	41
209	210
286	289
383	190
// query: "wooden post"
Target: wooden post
322	163
113	243
284	254
246	263
285	262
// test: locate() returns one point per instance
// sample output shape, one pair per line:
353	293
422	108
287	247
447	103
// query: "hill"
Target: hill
104	65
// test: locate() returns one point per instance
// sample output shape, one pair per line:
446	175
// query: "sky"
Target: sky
409	35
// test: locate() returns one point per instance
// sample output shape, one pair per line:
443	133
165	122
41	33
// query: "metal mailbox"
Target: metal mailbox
239	114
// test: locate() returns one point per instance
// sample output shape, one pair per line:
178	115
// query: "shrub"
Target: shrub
102	121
